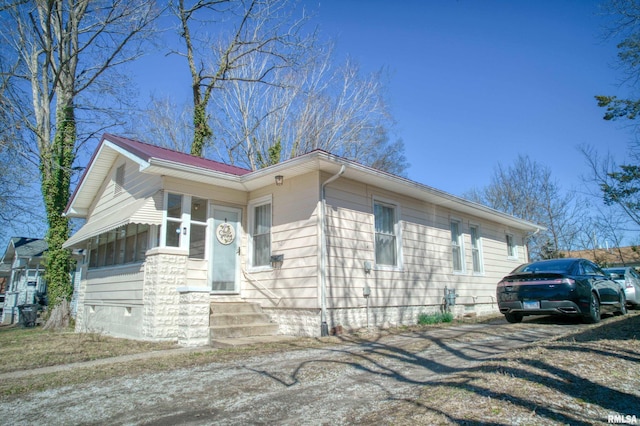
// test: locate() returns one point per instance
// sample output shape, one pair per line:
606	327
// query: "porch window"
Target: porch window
261	234
456	247
476	252
386	236
126	244
173	227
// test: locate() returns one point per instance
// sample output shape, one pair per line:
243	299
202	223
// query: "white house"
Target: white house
24	273
176	247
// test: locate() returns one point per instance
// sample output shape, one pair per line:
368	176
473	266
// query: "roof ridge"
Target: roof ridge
129	141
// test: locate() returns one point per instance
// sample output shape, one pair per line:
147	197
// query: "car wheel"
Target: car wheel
513	318
594	310
623	305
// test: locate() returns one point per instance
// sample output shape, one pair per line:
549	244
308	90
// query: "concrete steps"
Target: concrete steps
238	320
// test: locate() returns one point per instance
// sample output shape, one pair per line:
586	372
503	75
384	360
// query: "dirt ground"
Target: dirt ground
423	377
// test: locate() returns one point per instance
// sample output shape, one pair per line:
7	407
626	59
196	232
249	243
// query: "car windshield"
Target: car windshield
560	265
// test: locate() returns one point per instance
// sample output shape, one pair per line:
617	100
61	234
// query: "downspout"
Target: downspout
324	328
529	236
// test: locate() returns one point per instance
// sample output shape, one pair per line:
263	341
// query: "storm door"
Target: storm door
225	242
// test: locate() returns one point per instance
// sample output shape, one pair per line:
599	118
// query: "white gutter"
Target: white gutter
324	328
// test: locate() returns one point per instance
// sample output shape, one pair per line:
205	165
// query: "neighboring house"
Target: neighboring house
315	243
22	268
610	257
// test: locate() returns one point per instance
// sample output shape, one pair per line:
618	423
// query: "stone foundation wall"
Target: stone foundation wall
295	322
193	318
300	322
114	320
165	271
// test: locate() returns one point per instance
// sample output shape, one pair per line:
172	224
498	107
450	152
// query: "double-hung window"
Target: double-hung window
260	212
456	246
173	227
476	249
512	250
386	239
198	228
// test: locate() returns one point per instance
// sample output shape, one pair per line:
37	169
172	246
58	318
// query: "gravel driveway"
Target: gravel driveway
343	383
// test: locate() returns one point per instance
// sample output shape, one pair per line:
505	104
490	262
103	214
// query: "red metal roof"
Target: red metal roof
147	152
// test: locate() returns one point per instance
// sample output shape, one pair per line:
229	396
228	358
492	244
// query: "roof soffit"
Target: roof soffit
95	175
311	162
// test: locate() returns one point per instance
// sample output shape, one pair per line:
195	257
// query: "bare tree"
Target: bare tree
610	187
266	110
245	30
526	190
165	122
65	49
315	106
19	210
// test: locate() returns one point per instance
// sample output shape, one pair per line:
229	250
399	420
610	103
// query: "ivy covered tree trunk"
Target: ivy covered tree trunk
202	130
55	168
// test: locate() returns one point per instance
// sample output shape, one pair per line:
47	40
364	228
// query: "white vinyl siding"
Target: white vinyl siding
136	185
295	236
104	286
424	246
137	202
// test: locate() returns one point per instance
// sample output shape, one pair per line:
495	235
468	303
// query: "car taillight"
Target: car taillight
627	284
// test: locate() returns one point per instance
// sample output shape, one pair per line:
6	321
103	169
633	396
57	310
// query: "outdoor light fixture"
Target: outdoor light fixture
279	180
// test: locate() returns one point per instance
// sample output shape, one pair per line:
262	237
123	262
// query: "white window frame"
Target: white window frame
205	224
183	221
460	245
512	247
397	229
476	248
267	199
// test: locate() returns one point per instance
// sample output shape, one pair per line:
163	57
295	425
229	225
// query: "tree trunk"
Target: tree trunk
56	178
202	130
60	317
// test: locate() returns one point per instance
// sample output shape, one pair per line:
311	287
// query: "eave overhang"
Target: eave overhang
316	161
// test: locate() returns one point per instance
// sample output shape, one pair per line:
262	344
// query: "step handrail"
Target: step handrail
260	286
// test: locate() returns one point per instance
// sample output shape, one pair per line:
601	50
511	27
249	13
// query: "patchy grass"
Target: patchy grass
28	348
437	318
580	378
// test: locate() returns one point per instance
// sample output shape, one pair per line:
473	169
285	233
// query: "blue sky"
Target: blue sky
476	83
473	83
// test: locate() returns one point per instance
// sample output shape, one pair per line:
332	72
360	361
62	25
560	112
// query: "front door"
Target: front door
224	263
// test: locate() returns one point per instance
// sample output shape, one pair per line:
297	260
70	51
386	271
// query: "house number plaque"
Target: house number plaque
225	233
